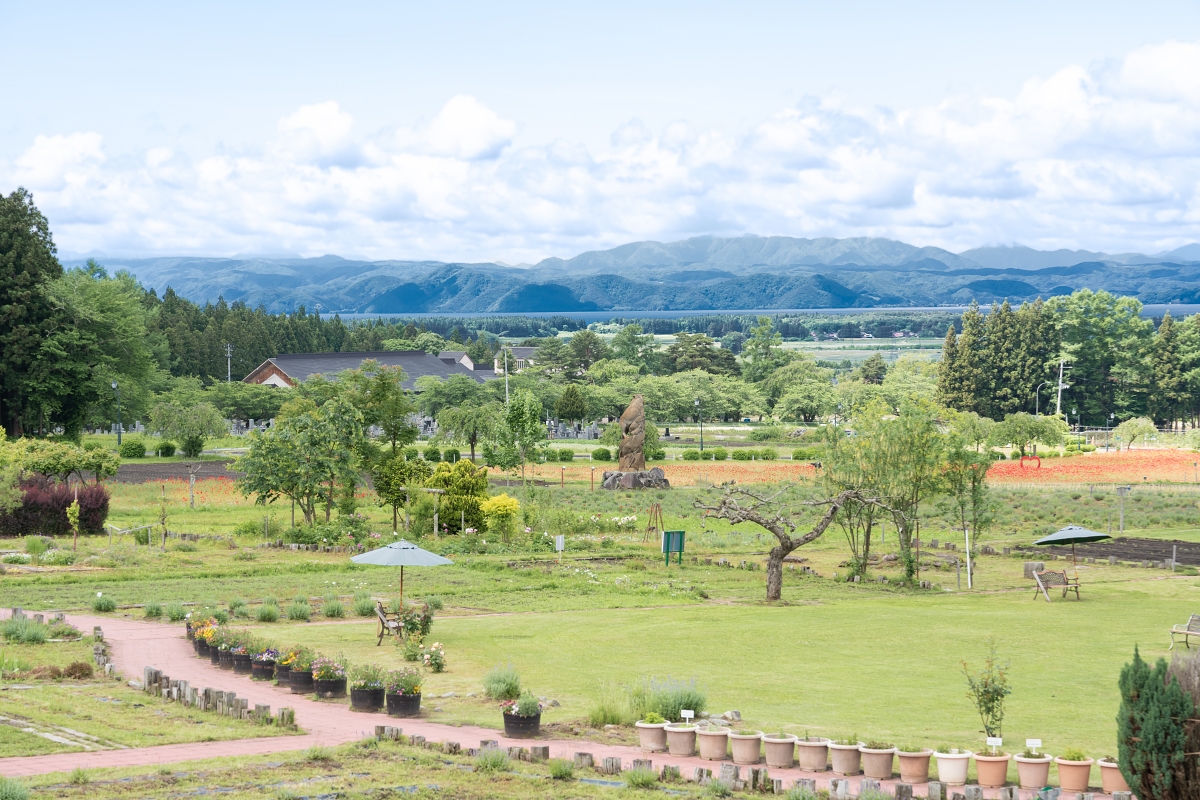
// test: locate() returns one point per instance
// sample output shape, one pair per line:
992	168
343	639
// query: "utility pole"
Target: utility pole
1058	404
117	389
506	377
700	416
1121	492
228	363
967	535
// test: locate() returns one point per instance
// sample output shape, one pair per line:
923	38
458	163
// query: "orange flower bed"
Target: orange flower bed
1127	466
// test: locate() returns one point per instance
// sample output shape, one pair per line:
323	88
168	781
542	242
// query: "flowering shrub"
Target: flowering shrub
525	706
327	669
367	676
205	629
417	619
300	659
625	523
264	656
434	657
406	681
238	649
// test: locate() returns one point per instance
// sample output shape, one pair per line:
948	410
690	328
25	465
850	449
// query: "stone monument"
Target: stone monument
633	473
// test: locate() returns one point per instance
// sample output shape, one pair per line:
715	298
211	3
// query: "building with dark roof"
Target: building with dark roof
289	369
518	359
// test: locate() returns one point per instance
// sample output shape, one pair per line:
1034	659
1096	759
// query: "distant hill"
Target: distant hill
704	272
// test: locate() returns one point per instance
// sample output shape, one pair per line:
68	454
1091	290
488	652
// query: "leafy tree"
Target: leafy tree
763	352
964	482
1021	430
696	352
873	370
466	488
987	690
633	346
523	429
469	424
856	464
1131	430
435	394
801	370
585	349
379	393
189	426
551	357
396	479
572	405
974	429
10	477
61	460
806	401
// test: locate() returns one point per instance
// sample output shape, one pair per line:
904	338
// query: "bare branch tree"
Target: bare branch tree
779	514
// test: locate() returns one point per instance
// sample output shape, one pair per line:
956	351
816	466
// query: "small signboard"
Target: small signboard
560	543
995	741
672	542
687	714
1033	744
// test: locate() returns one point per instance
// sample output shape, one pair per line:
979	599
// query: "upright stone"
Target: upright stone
973	792
584	761
1010	793
541	753
936	790
611	766
904	791
868	785
633	436
728	775
642	763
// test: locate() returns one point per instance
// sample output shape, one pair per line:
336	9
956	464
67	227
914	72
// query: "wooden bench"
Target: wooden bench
1051	579
1192	628
389	624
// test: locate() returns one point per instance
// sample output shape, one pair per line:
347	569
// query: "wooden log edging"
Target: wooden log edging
226	704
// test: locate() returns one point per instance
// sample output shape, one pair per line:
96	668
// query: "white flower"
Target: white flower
99	594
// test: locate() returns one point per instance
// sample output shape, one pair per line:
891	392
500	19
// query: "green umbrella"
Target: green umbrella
1073	535
401	554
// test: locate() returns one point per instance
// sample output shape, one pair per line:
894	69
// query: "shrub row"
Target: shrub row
44	506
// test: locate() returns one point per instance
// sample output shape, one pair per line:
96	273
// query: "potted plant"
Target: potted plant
952	763
991	768
877	758
262	664
1033	769
914	763
746	746
681	739
813	753
713	741
403	695
242	664
225	649
283	667
846	756
652	736
300	679
366	688
329	677
522	717
779	749
204	632
1111	779
1074	770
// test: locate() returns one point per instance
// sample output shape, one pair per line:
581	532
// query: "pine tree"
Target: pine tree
1037	352
1002	383
1168	383
971	378
948	377
1151	737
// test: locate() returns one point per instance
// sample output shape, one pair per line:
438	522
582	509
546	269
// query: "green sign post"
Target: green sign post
672	542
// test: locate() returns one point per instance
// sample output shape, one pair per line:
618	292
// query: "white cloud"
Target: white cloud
1104	157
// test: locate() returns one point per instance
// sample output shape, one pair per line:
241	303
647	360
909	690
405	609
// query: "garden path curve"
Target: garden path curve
135	644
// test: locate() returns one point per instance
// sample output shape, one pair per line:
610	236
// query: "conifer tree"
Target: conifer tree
1168	384
948	379
1001	384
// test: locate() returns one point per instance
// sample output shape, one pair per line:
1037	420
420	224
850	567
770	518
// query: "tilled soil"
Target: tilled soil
1130	549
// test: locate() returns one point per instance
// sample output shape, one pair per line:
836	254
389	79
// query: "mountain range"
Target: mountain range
704	272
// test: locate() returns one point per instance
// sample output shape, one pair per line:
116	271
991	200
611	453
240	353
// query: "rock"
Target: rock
437	708
732	716
554	704
471	694
611	728
449	694
648	479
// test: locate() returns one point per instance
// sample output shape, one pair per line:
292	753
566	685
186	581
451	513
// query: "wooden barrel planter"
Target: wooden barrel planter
403	705
202	648
518	727
333	687
283	674
262	670
301	682
366	699
224	659
242	664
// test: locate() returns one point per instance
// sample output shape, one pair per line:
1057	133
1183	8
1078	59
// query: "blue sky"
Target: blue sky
520	130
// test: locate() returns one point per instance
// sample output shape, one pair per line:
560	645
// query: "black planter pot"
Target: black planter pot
301	682
516	727
366	699
334	687
262	670
214	655
404	705
202	648
196	646
283	675
225	659
242	664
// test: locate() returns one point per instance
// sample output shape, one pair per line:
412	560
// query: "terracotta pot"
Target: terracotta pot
403	705
952	767
877	763
847	758
1073	775
681	739
1033	773
813	754
746	746
518	727
714	745
652	736
992	771
914	767
1111	779
780	750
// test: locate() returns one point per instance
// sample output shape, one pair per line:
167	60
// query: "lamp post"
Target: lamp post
1108	434
700	416
1075	411
117	389
1036	398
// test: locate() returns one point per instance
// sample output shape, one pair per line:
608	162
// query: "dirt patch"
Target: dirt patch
148	473
1127	548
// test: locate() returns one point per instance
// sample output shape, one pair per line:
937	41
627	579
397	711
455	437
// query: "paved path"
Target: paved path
135	644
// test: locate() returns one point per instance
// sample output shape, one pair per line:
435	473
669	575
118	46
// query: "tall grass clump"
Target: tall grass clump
176	612
666	697
152	610
267	612
333	608
23	630
299	610
364	604
12	789
491	759
611	707
239	608
435	602
562	769
102	603
640	778
502	683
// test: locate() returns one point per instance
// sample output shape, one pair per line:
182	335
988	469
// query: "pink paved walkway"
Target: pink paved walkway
135	644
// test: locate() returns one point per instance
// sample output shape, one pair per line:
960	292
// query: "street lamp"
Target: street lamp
1036	398
1075	411
1112	417
117	389
700	416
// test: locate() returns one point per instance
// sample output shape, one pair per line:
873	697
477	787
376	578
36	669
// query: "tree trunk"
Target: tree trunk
775	572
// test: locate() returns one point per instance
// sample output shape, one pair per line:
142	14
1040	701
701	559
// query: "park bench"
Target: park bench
1192	628
389	624
1050	579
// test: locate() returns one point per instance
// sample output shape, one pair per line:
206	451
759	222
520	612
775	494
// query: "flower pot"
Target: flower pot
202	648
242	664
992	771
651	736
283	674
780	750
878	763
518	727
746	746
366	699
914	767
403	705
813	754
714	745
329	687
1033	773
262	670
300	681
1111	779
224	659
214	655
681	739
952	767
1073	775
847	758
